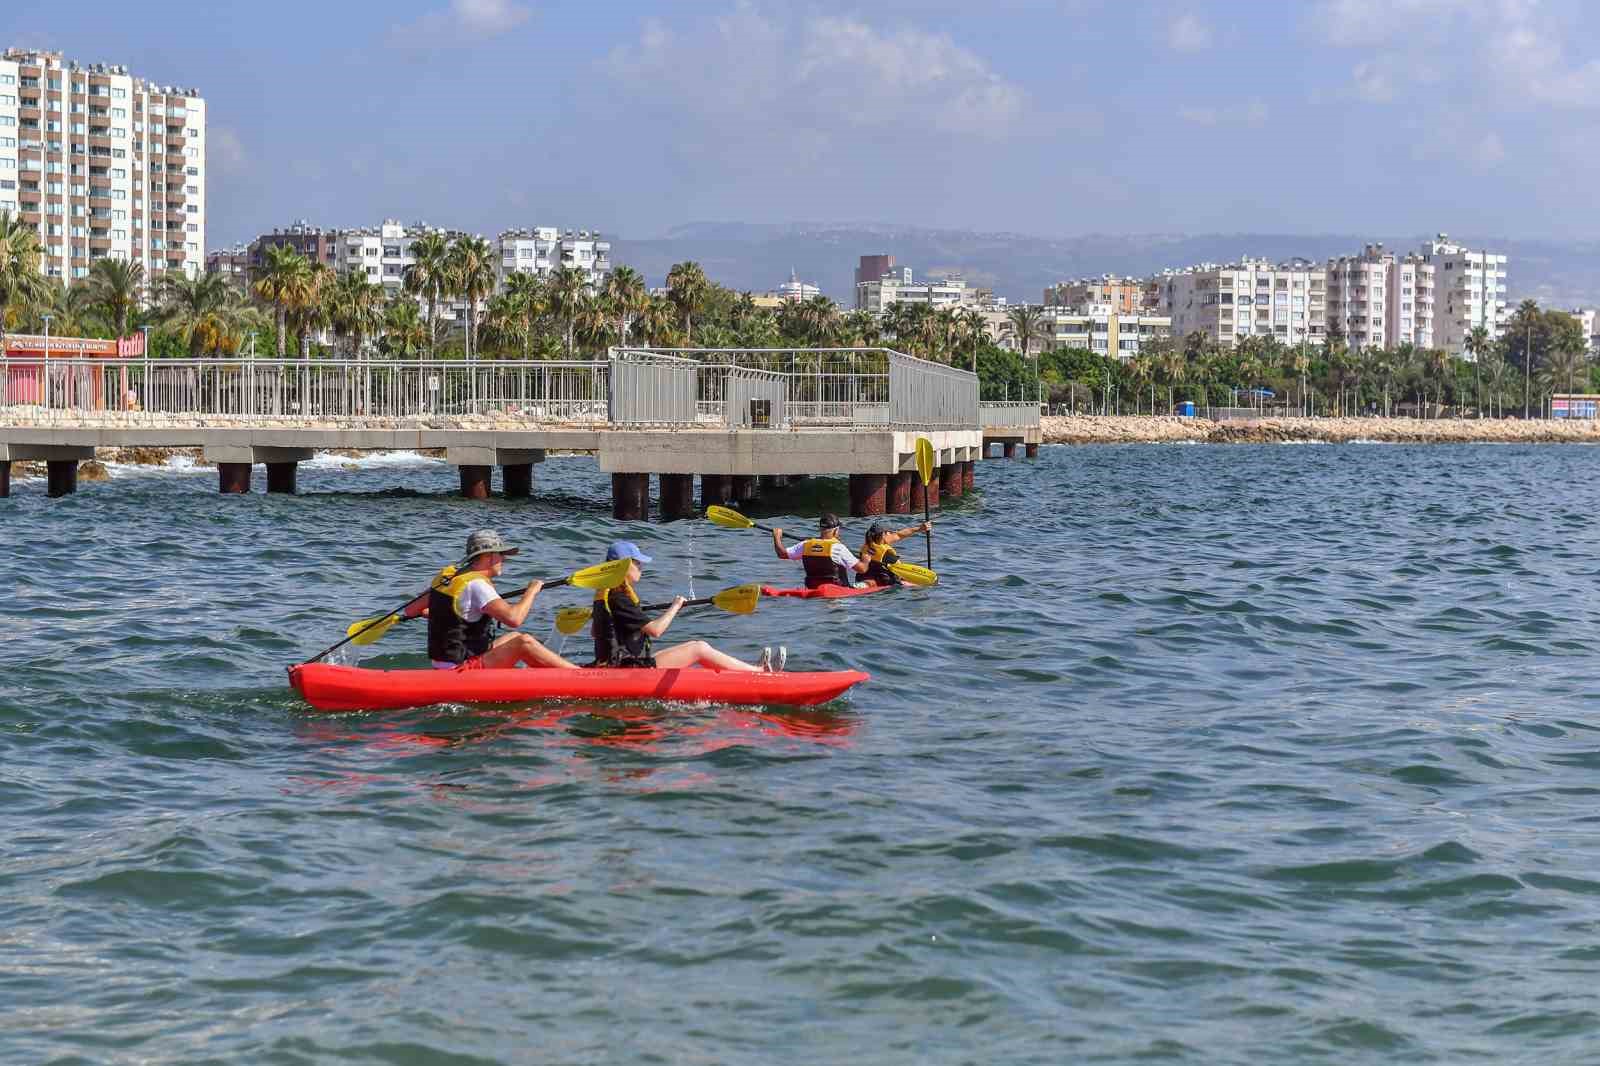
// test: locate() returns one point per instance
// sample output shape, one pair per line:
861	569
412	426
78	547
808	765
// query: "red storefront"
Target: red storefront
65	372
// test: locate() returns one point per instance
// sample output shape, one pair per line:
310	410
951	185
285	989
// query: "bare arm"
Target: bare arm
910	531
417	608
659	624
513	617
777	543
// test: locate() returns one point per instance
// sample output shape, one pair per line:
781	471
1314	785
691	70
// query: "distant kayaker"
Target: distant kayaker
826	559
462	607
879	554
623	633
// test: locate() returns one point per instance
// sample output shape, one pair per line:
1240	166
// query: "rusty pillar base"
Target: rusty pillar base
744	488
868	494
951	481
281	477
61	477
899	495
518	480
233	478
715	489
476	481
630	497
1031	450
969	475
1009	449
5	478
677	497
918	491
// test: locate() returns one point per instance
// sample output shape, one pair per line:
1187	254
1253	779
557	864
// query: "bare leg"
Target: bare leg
698	651
514	648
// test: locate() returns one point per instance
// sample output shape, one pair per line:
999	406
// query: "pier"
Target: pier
741	420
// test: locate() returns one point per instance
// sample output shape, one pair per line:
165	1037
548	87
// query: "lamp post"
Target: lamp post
46	370
146	331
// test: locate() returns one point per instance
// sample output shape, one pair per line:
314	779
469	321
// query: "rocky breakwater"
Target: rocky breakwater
1132	429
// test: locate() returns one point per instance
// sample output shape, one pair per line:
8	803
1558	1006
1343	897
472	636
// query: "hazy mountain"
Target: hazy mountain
1018	266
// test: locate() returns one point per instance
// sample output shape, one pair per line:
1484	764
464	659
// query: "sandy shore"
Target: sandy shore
1130	429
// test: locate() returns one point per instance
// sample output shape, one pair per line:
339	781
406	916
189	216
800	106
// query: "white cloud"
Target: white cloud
462	20
1187	33
225	151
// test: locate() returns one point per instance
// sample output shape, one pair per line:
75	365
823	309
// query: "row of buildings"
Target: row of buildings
104	164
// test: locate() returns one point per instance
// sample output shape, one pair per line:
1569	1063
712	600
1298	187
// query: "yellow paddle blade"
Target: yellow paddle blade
601	576
925	459
727	518
570	620
741	599
912	574
370	630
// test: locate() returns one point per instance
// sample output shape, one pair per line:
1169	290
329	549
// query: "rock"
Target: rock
93	470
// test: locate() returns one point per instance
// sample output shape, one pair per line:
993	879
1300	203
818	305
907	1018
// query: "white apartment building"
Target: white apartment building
1380	300
875	297
102	163
1253	297
383	252
1586	319
1104	329
1469	291
541	249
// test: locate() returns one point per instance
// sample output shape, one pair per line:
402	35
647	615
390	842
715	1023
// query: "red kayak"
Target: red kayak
825	592
351	688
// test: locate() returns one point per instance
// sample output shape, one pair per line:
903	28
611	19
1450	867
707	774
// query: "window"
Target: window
119	234
119	194
193	172
119	173
8	142
192	209
8	79
7	120
119	153
7	100
119	94
120	215
119	112
196	229
194	132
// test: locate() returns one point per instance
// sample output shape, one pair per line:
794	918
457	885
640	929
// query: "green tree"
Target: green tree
21	283
116	287
428	276
205	313
626	295
404	332
285	282
1027	325
566	293
472	277
687	287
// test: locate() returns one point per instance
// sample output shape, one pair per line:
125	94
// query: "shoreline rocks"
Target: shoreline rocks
1164	429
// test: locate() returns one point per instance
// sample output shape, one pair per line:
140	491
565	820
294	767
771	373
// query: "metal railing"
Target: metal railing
1003	413
652	389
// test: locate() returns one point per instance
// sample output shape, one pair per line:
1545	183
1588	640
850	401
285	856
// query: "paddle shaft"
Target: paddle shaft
928	522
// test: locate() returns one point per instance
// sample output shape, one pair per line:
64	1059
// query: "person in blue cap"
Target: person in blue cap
624	634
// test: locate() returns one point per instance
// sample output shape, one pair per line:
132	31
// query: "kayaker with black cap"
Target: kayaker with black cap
462	607
623	633
826	559
879	554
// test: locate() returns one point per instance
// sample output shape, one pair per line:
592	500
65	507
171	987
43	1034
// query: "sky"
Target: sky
1046	117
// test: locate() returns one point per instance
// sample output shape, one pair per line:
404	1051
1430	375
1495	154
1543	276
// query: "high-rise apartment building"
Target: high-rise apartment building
1380	300
1469	291
317	244
1125	295
1104	329
103	164
877	295
233	265
541	249
873	267
1250	298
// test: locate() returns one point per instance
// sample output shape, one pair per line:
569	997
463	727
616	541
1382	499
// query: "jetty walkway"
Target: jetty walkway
738	419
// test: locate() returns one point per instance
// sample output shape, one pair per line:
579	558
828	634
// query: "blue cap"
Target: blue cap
625	549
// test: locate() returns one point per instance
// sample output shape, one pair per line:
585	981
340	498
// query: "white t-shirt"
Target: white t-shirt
838	553
473	599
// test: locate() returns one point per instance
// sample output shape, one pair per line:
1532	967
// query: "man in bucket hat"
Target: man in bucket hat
462	607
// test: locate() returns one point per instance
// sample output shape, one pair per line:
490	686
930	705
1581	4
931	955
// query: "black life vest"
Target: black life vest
816	555
879	557
614	644
450	638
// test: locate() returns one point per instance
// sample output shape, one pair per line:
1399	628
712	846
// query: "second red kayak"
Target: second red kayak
825	592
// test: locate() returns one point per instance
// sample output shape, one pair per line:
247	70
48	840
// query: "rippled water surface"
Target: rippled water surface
1197	755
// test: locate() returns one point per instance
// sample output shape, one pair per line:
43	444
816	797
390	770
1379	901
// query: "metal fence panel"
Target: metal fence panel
1003	413
650	389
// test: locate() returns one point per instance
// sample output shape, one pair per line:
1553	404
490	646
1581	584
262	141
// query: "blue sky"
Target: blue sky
1053	117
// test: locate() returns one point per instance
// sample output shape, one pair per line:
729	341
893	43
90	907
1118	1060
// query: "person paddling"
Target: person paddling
878	552
623	633
462	607
826	559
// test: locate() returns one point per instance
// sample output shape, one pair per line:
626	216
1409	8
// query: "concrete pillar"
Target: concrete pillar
5	478
950	480
1031	450
280	477
899	494
868	494
969	475
1009	449
232	478
476	481
518	480
715	488
630	497
918	491
744	488
677	497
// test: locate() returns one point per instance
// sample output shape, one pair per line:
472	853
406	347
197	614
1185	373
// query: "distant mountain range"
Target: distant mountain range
747	256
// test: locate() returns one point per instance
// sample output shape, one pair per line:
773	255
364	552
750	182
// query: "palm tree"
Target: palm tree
860	329
284	281
525	300
471	273
116	286
656	319
1477	345
566	292
976	328
308	313
21	282
1027	323
820	318
354	307
404	332
625	292
1173	364
204	312
686	288
1495	370
592	321
1563	365
1436	365
427	276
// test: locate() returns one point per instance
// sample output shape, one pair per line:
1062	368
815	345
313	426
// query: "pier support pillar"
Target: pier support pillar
969	475
1009	449
899	494
950	480
744	488
677	496
918	491
5	478
1031	451
715	488
868	494
233	478
630	497
518	480
476	481
281	477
